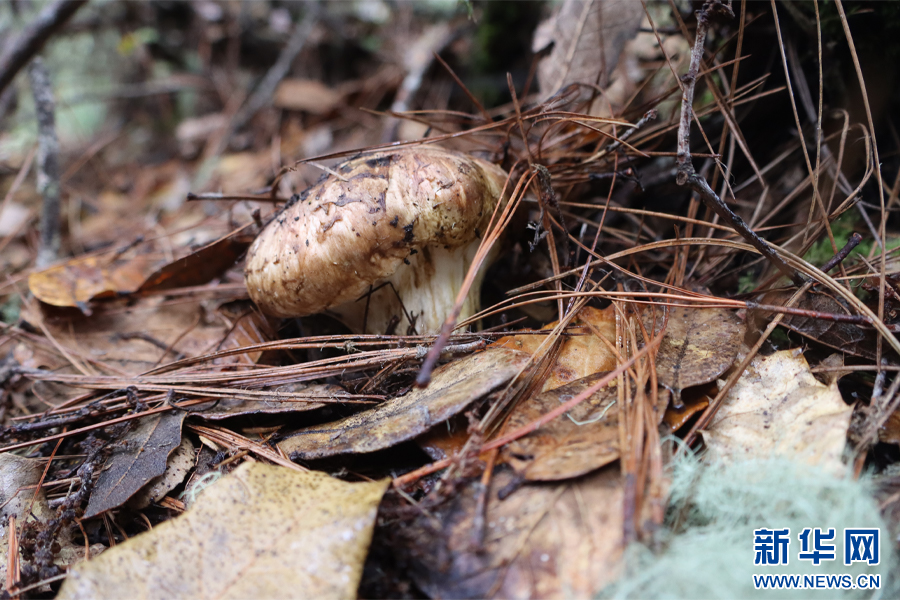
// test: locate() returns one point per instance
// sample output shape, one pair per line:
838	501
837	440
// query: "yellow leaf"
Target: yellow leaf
261	532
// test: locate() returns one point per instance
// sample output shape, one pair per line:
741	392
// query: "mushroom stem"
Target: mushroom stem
424	290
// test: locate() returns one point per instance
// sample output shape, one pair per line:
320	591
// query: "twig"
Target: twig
33	38
686	174
838	258
47	162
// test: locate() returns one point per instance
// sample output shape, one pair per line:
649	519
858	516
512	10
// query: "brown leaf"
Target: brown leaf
846	337
232	407
588	38
583	440
80	280
140	457
677	417
249	329
452	389
778	407
261	532
543	541
890	433
179	463
134	337
700	344
199	267
580	355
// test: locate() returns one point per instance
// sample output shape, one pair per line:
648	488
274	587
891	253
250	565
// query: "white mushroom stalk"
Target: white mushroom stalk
404	225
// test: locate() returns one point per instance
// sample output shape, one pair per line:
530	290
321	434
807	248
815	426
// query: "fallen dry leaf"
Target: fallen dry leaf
250	328
134	337
700	344
580	355
200	266
777	407
139	458
17	473
233	407
677	417
261	532
80	280
451	390
588	38
846	337
543	541
583	440
179	463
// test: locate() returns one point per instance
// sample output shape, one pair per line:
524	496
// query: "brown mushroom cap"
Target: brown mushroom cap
345	235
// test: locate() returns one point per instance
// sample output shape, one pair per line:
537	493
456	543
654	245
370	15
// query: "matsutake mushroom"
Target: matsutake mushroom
382	243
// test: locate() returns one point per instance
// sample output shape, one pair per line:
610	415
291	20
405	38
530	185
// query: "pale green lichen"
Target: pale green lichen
707	547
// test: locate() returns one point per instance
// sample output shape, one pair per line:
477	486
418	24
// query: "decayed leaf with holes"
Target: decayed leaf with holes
544	541
699	345
777	407
179	463
580	355
140	457
261	532
588	38
452	389
80	280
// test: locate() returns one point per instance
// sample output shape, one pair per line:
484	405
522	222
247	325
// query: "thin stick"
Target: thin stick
686	174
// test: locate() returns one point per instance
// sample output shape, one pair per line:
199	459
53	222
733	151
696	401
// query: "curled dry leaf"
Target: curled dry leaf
777	407
543	541
140	457
453	387
261	532
80	280
580	355
411	218
200	266
700	344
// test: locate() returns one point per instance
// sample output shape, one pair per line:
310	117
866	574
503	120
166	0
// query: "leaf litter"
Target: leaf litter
506	502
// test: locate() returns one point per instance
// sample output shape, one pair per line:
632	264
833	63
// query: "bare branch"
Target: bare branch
33	38
686	174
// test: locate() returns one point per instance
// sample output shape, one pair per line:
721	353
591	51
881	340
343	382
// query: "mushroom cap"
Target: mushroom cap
343	235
